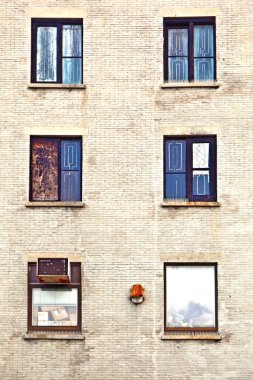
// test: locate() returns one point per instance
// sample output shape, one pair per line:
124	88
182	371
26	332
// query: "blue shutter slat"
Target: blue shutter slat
175	186
70	186
71	155
175	156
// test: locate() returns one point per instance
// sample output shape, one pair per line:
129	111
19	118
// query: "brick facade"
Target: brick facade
123	236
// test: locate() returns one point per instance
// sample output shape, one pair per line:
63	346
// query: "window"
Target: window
57	51
189	49
190	168
55	169
54	306
190	296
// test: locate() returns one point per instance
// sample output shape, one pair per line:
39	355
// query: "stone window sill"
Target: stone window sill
53	336
57	85
168	203
190	85
191	336
55	204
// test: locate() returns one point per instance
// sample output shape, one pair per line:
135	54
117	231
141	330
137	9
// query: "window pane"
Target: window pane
70	186
46	54
54	307
72	70
70	154
200	153
178	69
178	42
175	156
203	69
190	296
203	41
201	182
72	41
44	169
175	186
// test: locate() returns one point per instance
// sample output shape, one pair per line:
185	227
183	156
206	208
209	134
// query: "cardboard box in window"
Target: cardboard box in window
59	314
72	317
49	308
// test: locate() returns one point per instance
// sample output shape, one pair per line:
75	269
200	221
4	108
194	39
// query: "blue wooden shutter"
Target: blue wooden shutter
178	54
204	53
175	169
70	170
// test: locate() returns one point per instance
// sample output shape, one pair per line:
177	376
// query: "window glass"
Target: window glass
46	54
189	49
190	168
54	307
55	169
190	296
57	55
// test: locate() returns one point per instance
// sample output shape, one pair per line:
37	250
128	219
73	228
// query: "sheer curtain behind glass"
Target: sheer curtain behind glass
72	54
46	68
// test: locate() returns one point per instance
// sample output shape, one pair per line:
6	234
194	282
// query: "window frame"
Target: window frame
58	23
33	283
190	140
59	138
191	329
189	23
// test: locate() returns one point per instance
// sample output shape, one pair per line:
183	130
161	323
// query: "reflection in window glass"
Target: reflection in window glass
190	296
201	182
54	307
200	155
46	54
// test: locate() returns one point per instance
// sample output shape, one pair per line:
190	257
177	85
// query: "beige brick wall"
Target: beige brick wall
123	235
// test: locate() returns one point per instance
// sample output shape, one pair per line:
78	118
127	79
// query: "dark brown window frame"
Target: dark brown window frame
34	283
55	22
189	23
59	138
190	139
191	329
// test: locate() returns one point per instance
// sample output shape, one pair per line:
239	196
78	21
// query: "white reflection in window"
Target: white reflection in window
190	296
46	54
200	155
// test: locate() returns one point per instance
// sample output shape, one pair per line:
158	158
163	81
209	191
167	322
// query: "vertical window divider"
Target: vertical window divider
191	52
59	52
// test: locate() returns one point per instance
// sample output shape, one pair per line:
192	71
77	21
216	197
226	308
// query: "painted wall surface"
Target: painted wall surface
123	236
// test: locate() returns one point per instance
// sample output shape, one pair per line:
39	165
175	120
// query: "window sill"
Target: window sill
190	84
55	204
192	336
57	85
53	336
167	203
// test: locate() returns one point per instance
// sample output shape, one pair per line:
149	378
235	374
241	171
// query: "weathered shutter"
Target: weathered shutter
44	169
175	168
70	170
